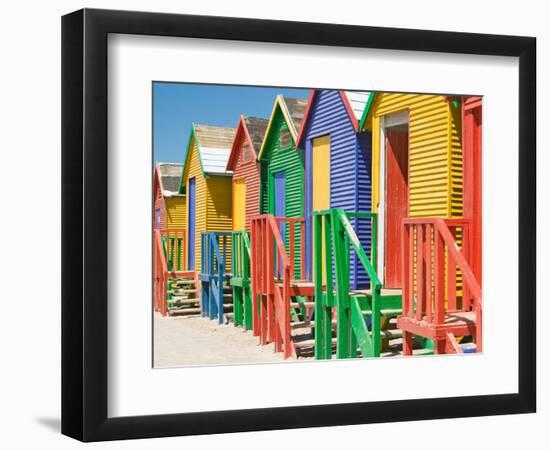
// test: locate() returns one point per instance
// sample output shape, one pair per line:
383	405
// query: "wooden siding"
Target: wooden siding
159	204
285	159
457	161
176	212
219	202
350	169
193	169
435	155
435	152
249	170
219	208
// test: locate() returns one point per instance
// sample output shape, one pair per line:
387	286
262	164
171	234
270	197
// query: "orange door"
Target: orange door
397	195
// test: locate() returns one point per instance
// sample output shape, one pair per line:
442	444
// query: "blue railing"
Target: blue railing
215	248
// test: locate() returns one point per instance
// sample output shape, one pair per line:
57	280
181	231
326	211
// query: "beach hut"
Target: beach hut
170	212
416	167
246	204
246	170
337	158
424	181
170	206
282	167
207	185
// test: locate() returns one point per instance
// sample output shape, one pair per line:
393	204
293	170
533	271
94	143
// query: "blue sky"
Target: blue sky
177	105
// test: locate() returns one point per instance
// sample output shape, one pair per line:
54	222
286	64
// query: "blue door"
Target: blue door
191	225
280	207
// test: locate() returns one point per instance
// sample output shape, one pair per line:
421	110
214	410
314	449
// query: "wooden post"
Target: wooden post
329	303
318	287
428	271
420	282
405	268
342	289
439	276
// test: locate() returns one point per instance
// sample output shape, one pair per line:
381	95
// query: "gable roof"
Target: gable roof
213	145
293	110
366	111
254	130
354	102
169	177
357	101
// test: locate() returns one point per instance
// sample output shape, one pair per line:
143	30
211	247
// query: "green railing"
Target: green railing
240	279
173	241
333	232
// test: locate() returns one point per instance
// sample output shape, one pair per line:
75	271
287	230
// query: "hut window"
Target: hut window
284	137
247	153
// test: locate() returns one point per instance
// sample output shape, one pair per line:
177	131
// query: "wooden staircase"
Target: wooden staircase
432	264
182	295
282	298
351	322
174	288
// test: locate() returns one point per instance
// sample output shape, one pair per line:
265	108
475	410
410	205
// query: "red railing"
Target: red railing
431	257
169	252
160	274
272	271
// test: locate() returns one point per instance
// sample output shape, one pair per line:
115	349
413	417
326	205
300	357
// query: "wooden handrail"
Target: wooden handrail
278	239
159	247
356	244
176	250
160	275
271	316
430	259
467	273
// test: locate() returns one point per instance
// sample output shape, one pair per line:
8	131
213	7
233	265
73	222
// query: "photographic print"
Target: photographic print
313	224
266	223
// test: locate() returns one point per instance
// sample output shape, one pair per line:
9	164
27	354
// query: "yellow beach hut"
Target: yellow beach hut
425	244
207	185
416	167
170	205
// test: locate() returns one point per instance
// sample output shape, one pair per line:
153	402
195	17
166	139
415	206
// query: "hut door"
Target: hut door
396	201
191	225
239	204
321	183
279	209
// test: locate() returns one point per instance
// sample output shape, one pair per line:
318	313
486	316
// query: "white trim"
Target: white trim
395	119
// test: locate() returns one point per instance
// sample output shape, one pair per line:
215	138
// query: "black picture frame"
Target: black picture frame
84	224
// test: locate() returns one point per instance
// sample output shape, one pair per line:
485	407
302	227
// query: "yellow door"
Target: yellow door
239	204
321	182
